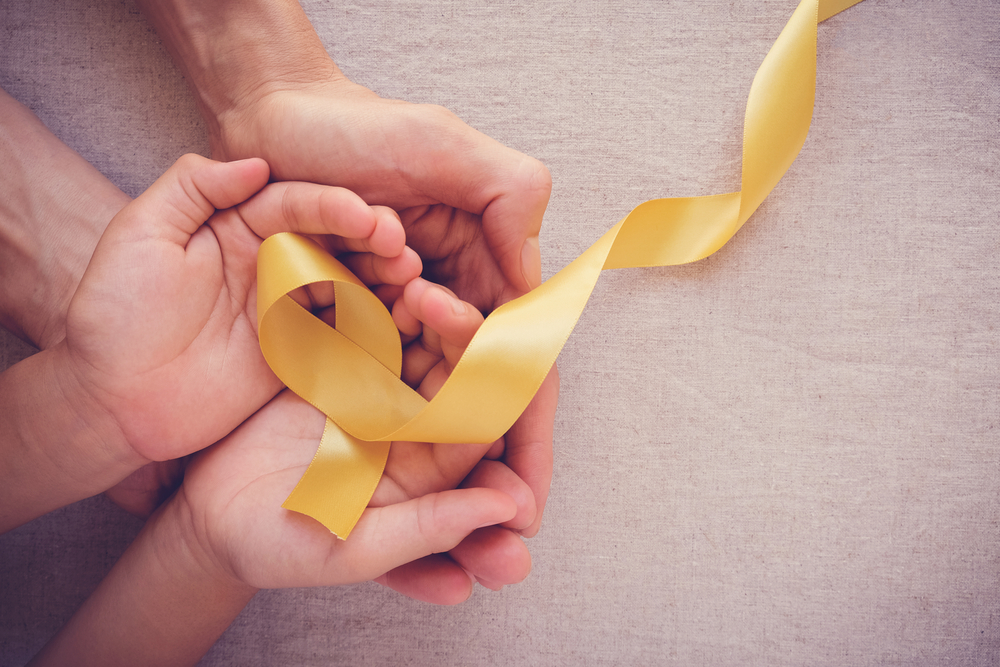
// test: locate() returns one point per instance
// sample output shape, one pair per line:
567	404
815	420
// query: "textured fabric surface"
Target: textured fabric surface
784	454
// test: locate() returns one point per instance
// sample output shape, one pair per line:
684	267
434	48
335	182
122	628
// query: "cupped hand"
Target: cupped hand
471	207
234	490
162	329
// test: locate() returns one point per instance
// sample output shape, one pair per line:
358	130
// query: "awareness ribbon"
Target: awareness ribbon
350	372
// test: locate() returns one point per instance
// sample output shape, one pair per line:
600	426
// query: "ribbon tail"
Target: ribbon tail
356	466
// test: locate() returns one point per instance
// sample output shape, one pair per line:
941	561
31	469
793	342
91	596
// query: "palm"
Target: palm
185	367
466	201
237	487
456	253
235	490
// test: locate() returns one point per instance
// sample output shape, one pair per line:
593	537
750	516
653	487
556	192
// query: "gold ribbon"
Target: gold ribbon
350	372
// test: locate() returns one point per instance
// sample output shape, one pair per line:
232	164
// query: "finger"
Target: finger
389	238
529	445
385	236
321	294
448	326
495	475
374	269
387	537
436	579
315	297
495	556
455	321
422	352
145	489
176	205
308	208
406	322
419	359
516	245
414	469
496	450
423	347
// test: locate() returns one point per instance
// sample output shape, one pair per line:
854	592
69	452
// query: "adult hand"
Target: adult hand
472	207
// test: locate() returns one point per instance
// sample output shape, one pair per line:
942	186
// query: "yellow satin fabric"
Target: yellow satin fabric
351	372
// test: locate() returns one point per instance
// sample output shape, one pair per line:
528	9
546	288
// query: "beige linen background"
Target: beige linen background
785	454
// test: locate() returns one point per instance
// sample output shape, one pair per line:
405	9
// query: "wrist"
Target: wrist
236	53
258	123
59	446
182	543
56	206
163	603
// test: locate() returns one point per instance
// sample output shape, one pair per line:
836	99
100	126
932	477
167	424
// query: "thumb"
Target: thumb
187	194
391	536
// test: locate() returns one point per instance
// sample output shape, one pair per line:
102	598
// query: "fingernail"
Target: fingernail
490	585
531	262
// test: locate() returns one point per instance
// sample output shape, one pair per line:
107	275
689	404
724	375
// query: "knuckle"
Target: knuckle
536	176
432	525
436	112
190	161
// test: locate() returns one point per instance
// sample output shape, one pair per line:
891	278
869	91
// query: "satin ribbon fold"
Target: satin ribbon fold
351	371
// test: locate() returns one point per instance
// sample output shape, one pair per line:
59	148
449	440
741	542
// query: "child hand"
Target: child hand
234	490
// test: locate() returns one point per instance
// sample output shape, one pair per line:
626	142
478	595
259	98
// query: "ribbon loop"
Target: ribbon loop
351	372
